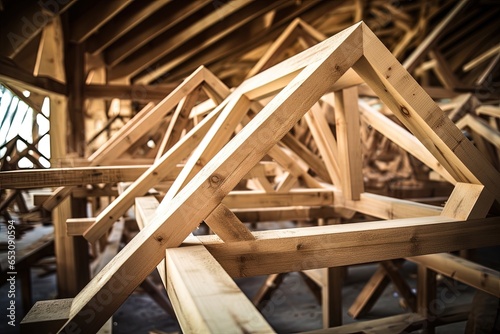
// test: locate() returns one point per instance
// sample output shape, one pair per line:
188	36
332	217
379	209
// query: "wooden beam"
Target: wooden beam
326	142
78	226
349	142
77	176
196	282
146	93
11	74
385	207
462	270
170	159
126	20
91	20
480	127
416	110
151	28
389	325
260	199
413	60
216	137
151	177
227	226
213	32
25	21
288	36
171	225
370	293
402	138
178	122
158	50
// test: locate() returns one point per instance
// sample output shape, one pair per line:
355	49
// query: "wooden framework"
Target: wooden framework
197	194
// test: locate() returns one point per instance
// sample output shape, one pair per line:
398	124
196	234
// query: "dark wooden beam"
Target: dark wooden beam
216	21
24	20
75	77
144	93
130	17
161	21
240	41
94	18
212	34
13	75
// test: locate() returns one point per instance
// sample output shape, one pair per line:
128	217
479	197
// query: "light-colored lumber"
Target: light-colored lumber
152	176
216	137
331	296
46	316
256	200
241	199
426	294
278	154
346	244
413	60
369	294
385	207
288	36
480	127
205	298
489	110
77	176
315	163
227	226
491	52
402	138
462	270
468	201
349	142
388	325
171	225
326	142
120	140
178	122
416	110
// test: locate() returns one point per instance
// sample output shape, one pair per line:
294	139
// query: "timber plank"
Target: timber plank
196	283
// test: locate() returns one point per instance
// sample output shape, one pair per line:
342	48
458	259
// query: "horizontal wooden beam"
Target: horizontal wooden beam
285	213
145	93
258	201
63	177
385	207
15	76
339	245
462	270
402	323
261	199
196	282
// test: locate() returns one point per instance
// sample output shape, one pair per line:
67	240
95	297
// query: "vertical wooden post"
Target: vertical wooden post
349	142
75	74
426	295
332	297
71	253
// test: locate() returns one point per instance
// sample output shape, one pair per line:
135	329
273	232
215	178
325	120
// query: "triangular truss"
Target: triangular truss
197	194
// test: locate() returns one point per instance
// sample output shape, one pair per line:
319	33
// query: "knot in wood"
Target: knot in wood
404	111
215	180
